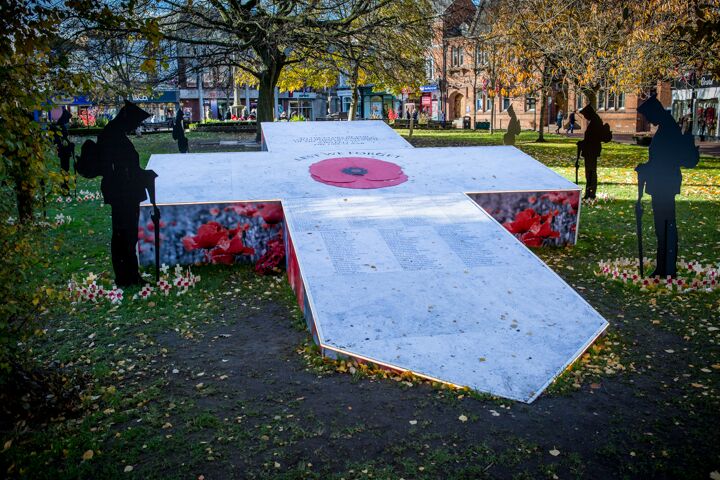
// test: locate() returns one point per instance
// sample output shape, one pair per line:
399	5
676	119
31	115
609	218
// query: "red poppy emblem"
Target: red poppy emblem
357	172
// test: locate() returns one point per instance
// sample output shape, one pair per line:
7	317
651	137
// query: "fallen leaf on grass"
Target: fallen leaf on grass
554	452
88	455
128	469
413	422
7	445
462	418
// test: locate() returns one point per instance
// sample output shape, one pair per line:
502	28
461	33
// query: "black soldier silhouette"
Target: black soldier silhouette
124	186
179	132
660	177
590	147
513	127
65	148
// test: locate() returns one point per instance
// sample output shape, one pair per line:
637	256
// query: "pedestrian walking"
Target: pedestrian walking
558	121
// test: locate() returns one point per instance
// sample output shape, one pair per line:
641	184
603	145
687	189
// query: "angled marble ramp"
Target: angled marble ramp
434	285
296	136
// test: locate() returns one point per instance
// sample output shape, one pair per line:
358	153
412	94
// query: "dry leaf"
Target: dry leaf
554	452
128	469
462	418
88	455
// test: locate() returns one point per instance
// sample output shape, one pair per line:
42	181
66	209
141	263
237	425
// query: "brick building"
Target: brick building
459	67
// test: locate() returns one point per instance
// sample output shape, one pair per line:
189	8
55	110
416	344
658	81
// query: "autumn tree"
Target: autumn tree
260	38
31	71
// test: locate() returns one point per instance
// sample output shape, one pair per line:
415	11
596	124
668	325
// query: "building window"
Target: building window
601	100
505	103
457	56
481	56
479	104
611	101
621	101
346	103
488	103
579	101
530	103
430	68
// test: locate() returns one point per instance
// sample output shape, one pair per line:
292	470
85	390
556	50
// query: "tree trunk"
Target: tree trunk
492	114
24	198
354	99
266	93
543	108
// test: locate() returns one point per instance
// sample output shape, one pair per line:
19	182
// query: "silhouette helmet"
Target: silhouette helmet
132	115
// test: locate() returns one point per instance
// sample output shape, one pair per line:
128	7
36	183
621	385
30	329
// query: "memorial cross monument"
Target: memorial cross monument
398	255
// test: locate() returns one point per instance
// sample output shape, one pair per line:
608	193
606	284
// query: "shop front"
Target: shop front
301	105
82	109
430	101
697	108
160	105
377	105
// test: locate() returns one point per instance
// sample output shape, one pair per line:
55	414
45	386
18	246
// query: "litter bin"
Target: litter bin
466	123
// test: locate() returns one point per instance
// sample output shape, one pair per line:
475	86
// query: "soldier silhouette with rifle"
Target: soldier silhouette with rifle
513	128
660	177
178	131
65	148
124	186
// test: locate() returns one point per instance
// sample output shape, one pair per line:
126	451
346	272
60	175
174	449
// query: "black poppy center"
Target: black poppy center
359	171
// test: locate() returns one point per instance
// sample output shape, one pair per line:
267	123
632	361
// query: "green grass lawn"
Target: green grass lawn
643	403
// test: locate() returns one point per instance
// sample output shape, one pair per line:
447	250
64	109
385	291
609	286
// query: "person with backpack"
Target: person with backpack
660	177
590	147
124	185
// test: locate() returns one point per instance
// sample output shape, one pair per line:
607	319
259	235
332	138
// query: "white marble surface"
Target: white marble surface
434	285
294	136
225	177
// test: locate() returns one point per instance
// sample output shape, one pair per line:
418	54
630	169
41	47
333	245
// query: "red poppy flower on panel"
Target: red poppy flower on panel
531	228
222	245
272	213
357	172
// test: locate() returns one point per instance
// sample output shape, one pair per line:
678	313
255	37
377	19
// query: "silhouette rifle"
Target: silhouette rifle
577	160
638	224
155	217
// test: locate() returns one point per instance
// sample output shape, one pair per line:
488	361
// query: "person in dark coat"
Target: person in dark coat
591	147
660	177
124	186
178	132
571	123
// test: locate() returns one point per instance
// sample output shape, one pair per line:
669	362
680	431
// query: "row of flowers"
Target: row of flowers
92	289
59	219
692	275
81	196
